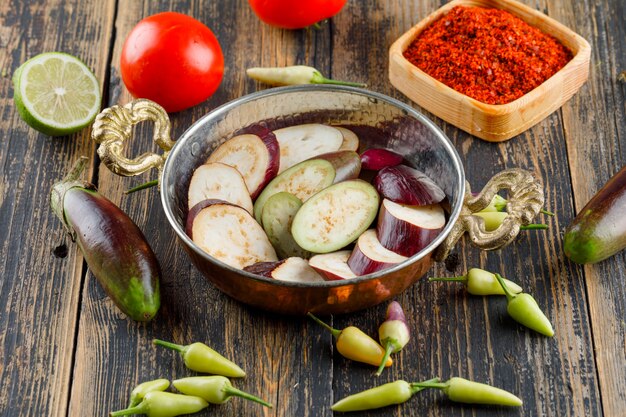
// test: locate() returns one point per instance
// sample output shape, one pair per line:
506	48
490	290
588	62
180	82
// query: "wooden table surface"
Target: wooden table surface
67	351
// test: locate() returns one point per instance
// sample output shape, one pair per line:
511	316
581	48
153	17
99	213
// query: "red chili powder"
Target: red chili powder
487	54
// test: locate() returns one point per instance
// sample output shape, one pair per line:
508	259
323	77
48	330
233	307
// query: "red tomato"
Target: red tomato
290	14
172	59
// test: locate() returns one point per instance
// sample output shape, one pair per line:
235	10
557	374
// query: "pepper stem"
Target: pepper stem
431	383
534	227
143	186
232	391
318	78
169	345
461	278
507	292
139	409
388	348
416	386
335	332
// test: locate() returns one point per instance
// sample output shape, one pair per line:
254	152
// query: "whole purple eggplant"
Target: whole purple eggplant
599	230
113	246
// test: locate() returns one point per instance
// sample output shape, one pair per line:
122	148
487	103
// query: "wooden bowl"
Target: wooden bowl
494	123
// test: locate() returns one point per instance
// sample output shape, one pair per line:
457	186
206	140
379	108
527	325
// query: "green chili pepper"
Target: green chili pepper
201	358
498	203
525	310
164	404
392	393
353	344
493	220
294	75
464	391
137	394
214	389
393	333
481	282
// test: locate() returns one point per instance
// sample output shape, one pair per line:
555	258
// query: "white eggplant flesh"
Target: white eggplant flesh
301	142
303	180
277	217
219	182
333	266
350	139
292	269
229	233
335	217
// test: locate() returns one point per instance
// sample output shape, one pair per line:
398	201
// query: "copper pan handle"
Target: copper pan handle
114	127
525	200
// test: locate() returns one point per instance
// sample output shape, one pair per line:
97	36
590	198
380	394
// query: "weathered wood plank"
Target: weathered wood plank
280	355
457	334
40	293
595	130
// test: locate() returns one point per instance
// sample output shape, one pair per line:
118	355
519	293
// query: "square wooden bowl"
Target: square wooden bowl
494	123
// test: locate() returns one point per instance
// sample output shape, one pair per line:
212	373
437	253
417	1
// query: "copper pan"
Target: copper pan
399	127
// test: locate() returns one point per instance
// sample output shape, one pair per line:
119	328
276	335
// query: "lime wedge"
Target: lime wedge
56	93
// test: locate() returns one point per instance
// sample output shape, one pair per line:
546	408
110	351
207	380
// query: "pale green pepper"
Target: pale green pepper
524	309
481	282
294	75
392	393
201	358
214	389
493	220
164	404
462	390
498	203
137	394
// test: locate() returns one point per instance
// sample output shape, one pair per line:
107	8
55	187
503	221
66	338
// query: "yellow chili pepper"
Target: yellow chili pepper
353	344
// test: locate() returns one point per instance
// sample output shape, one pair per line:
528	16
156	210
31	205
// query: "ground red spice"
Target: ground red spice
487	54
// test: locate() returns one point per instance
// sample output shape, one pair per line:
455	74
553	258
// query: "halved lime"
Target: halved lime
56	93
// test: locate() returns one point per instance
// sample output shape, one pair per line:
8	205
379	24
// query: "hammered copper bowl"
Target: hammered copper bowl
403	129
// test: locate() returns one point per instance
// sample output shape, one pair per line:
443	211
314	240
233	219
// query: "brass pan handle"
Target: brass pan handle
525	200
114	126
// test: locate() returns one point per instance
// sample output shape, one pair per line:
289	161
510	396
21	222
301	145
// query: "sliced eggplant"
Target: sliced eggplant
335	216
350	139
369	256
255	155
376	159
407	230
292	269
278	214
301	142
405	185
302	180
333	266
229	233
219	182
347	164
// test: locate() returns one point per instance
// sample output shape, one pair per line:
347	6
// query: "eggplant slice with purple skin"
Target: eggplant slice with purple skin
333	266
114	248
255	154
292	269
369	256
